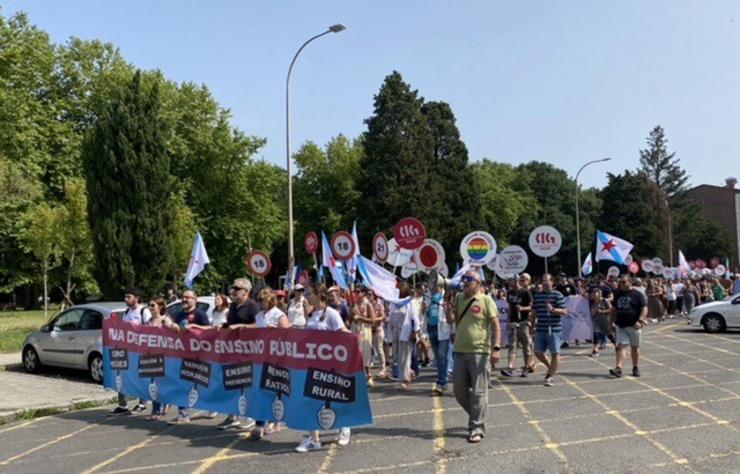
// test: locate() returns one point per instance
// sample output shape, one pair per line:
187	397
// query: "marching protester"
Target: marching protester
298	308
630	312
242	313
190	317
476	319
159	319
362	318
137	314
655	297
519	301
396	318
220	310
379	323
270	316
600	317
439	331
282	303
323	318
548	310
336	302
408	337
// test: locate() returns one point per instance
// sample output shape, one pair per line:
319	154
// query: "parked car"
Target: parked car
74	338
717	316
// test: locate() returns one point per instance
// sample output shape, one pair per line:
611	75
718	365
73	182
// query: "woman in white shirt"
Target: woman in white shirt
220	310
323	318
408	337
298	308
269	317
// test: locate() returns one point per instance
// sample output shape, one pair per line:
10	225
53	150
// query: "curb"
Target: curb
31	413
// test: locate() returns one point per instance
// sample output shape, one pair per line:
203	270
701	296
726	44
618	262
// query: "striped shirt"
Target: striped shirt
545	319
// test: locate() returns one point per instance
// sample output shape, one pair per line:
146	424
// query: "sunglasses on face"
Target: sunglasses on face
468	279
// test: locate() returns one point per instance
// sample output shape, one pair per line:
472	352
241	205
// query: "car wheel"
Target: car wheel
31	361
95	364
713	323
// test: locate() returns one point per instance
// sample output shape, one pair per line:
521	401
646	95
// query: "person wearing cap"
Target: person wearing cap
298	308
242	313
282	302
476	317
136	314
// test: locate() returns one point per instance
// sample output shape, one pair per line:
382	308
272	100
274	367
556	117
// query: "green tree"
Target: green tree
130	189
661	167
40	227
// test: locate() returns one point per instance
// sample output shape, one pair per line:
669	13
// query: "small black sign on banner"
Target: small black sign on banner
151	365
118	359
329	386
196	371
275	378
237	376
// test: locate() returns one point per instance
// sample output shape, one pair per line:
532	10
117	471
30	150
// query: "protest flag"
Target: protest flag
683	265
588	266
611	248
198	260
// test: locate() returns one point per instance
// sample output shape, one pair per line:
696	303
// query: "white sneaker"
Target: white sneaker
307	445
344	437
248	424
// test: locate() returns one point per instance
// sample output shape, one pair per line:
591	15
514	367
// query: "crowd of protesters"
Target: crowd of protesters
456	329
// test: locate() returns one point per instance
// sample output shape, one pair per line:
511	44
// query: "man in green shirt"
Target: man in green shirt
476	319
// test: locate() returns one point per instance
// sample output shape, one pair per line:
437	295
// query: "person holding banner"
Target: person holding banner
159	319
323	318
298	308
136	313
476	317
549	309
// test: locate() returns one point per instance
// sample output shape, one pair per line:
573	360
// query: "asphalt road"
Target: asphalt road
682	415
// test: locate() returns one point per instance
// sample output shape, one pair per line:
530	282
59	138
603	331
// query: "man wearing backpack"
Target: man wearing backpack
137	314
476	318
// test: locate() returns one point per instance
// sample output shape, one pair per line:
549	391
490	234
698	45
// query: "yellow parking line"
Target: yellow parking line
128	450
439	435
23	425
45	445
703	346
218	457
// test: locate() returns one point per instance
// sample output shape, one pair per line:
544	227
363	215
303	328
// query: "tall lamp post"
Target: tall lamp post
578	216
332	29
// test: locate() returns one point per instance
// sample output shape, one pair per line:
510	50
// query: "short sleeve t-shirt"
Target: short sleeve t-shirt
332	320
138	315
628	305
521	298
244	314
269	318
195	316
547	321
473	335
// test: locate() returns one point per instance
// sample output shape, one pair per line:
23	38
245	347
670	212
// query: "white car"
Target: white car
717	316
205	303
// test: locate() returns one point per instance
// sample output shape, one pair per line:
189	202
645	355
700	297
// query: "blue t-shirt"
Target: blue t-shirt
195	316
546	320
433	309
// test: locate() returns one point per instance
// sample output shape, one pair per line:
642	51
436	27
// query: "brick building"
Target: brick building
721	205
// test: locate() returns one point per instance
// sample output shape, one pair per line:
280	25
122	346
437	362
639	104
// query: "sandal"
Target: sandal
475	438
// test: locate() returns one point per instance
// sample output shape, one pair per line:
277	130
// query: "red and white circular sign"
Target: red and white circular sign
311	242
380	247
409	233
430	255
545	241
634	267
342	245
259	263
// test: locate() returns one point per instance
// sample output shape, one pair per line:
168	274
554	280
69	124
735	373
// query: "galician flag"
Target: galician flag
611	248
588	266
380	280
330	262
352	262
683	265
198	260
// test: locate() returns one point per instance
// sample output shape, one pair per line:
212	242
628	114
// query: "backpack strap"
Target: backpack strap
465	311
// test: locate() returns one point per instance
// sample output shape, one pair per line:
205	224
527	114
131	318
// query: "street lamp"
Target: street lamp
578	217
332	29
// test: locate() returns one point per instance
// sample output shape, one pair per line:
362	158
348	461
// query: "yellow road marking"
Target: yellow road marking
439	436
45	445
23	425
330	455
123	453
218	457
549	443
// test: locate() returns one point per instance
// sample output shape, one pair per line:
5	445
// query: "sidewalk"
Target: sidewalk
58	390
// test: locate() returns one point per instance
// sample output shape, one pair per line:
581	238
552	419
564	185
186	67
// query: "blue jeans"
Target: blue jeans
440	349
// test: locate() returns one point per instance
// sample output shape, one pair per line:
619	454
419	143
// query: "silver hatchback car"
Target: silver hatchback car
72	339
